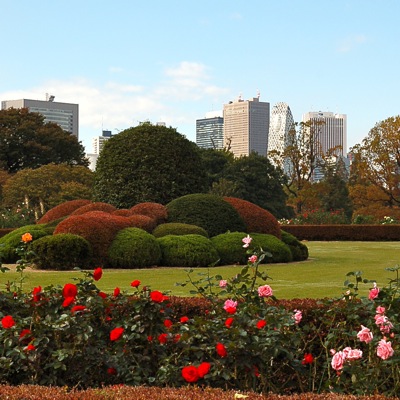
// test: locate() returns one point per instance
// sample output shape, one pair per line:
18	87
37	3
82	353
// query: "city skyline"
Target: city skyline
174	64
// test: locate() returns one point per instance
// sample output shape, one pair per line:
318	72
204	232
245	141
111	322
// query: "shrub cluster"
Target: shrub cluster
62	210
156	211
177	228
97	206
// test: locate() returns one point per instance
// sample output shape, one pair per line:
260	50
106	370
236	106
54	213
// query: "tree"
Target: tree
148	163
377	161
45	187
26	141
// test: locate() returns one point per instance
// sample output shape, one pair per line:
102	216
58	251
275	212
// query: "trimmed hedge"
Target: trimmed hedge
97	206
133	248
257	219
10	242
187	251
230	248
209	212
61	252
153	210
299	250
280	251
177	228
142	221
62	210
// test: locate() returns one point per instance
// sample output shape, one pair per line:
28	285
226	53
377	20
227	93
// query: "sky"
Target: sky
129	61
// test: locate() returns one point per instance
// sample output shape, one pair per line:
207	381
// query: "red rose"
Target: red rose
177	338
117	292
168	323
157	296
184	320
30	347
103	295
116	333
190	374
77	308
221	350
308	359
68	301
70	290
135	283
261	323
36	293
97	274
162	338
24	332
111	371
203	369
229	322
7	322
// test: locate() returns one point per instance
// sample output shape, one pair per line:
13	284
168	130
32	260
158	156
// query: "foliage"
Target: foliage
48	186
156	211
209	212
298	249
230	248
318	217
16	218
148	163
10	242
256	218
61	252
187	251
28	142
177	228
280	251
62	210
97	206
133	248
142	221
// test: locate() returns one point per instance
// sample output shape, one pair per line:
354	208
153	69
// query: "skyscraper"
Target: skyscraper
64	114
330	131
246	126
210	131
98	141
281	123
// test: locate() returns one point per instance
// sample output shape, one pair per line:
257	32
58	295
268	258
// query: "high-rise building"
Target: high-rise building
64	114
246	126
98	141
210	131
281	123
329	130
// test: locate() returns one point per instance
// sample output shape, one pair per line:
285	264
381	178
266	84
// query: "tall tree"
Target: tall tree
148	163
26	141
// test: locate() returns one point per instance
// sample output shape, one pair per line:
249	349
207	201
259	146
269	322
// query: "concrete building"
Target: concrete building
210	131
64	114
97	143
246	126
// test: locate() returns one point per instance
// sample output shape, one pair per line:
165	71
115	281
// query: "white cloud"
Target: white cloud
350	42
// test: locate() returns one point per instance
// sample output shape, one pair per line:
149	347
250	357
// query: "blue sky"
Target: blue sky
127	61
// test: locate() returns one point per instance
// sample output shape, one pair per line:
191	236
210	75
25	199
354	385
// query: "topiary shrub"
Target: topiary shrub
98	206
142	221
256	219
299	250
187	251
280	251
62	210
61	252
10	242
134	248
208	211
154	210
177	228
123	212
97	227
230	248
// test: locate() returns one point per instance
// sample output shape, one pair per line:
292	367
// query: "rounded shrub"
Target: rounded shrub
280	251
62	210
208	211
142	221
134	248
299	250
230	248
256	219
97	206
154	210
123	212
97	227
177	228
187	251
61	252
10	242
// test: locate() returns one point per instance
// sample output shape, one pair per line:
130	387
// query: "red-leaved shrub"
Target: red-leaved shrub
62	210
257	219
98	206
153	210
123	212
142	221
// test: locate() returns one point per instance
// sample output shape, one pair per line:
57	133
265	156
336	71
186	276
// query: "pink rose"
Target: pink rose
380	310
265	291
365	335
253	259
373	293
338	360
297	316
222	283
384	349
352	354
230	306
247	240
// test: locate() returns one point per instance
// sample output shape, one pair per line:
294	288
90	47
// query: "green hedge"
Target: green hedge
280	251
177	228
299	250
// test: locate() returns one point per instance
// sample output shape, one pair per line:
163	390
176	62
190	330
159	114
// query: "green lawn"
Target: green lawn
320	276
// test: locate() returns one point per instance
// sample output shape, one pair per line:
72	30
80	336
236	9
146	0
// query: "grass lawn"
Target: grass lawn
321	276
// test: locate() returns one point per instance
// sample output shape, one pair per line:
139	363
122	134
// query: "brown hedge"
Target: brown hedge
256	219
97	206
62	210
156	211
142	221
123	212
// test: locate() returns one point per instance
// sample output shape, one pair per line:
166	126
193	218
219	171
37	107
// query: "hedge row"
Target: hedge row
345	232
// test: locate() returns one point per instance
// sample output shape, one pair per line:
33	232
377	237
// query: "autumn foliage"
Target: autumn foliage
154	210
62	210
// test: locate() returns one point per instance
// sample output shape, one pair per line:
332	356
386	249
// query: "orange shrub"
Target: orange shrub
142	221
123	212
154	210
98	206
97	227
256	219
62	210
